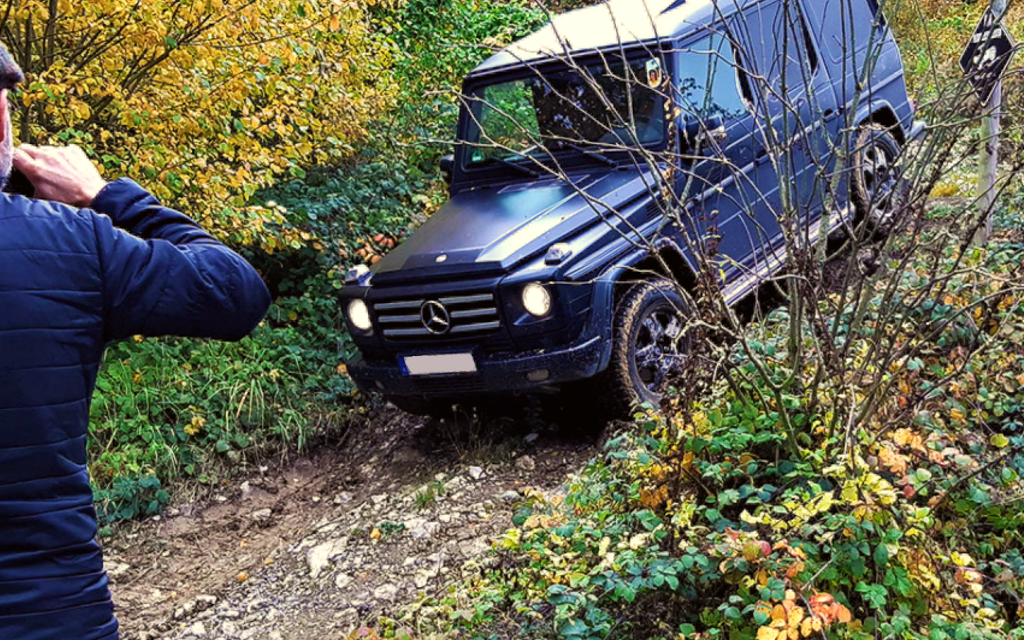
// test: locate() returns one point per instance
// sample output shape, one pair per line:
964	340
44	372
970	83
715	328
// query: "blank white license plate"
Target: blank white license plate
435	365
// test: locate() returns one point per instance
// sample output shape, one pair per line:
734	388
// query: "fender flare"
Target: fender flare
605	285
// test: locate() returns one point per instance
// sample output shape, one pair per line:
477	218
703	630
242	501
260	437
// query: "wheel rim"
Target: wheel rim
880	179
659	348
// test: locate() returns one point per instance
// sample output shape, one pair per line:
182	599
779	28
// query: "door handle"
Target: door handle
832	114
717	135
761	157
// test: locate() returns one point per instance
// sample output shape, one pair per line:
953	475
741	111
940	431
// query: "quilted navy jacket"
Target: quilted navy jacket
70	282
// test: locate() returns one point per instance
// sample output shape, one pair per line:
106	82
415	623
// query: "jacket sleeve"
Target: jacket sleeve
163	275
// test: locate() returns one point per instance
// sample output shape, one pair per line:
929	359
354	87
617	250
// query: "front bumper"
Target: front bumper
496	373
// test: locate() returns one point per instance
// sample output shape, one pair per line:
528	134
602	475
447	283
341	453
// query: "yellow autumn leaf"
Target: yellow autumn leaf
768	633
796	616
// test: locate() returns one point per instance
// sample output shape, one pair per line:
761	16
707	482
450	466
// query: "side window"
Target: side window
707	84
780	45
848	25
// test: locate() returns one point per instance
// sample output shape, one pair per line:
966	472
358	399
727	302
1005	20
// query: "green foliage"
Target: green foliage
129	498
429	494
173	407
713	522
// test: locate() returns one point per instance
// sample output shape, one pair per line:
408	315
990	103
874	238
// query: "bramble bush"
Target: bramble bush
707	522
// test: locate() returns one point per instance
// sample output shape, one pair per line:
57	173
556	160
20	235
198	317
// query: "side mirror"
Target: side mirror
699	134
447	165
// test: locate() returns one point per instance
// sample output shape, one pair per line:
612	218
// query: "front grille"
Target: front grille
468	316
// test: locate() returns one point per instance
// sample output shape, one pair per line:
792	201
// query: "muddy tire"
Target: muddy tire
649	346
877	186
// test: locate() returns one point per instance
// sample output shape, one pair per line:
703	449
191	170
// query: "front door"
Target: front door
728	215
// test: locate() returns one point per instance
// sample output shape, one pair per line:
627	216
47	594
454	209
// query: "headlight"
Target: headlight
359	315
536	300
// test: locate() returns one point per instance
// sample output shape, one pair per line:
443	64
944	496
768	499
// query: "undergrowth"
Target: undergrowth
707	523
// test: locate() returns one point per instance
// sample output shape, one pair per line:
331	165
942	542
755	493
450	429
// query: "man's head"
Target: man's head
10	77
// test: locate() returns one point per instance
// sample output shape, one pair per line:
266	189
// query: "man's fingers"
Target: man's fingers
24	161
30	150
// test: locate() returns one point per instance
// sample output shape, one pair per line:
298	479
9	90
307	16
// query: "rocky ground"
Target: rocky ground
330	542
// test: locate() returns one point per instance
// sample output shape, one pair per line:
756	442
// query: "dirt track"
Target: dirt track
334	539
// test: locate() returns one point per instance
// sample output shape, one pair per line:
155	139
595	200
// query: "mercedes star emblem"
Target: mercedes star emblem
435	317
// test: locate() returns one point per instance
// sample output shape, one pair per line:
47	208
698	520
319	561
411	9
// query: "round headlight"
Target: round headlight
359	315
536	300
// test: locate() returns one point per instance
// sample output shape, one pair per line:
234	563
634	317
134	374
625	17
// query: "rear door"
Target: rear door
853	34
794	102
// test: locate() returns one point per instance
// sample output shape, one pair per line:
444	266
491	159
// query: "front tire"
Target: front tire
649	346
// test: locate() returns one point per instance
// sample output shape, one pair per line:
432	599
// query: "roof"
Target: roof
609	24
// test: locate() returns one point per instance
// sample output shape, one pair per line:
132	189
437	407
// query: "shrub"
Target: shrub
710	523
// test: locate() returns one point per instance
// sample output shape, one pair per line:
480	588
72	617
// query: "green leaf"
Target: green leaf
875	594
881	555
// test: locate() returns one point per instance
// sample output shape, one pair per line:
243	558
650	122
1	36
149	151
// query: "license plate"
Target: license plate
440	364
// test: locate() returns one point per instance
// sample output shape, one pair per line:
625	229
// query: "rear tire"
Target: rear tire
878	189
649	345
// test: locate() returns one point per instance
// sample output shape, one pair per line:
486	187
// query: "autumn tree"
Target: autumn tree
204	102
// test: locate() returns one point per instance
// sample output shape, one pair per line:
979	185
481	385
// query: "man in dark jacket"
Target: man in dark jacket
82	264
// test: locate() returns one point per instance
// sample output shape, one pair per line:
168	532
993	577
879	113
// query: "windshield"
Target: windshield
585	110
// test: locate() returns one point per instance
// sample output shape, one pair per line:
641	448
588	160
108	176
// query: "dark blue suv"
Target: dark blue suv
554	261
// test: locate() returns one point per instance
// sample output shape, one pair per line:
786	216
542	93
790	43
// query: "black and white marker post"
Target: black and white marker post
984	61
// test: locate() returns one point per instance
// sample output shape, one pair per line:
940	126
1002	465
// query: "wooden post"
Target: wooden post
990	149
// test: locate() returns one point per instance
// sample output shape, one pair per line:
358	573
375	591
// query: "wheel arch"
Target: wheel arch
882	113
666	259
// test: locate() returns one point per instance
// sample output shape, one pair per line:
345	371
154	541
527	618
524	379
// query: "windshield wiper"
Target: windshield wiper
515	165
597	155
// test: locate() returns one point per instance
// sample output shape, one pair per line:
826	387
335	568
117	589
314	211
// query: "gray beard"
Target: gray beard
6	155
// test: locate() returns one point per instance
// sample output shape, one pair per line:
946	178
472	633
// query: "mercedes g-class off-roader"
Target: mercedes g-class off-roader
532	276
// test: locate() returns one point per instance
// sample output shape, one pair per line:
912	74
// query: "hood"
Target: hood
490	231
